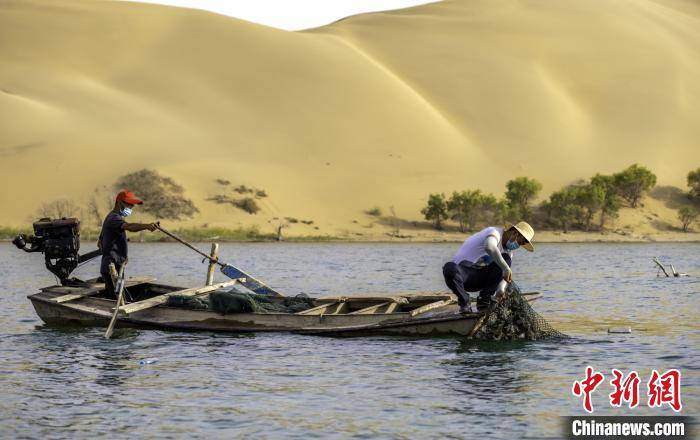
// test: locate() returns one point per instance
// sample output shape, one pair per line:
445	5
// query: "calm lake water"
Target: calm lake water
72	383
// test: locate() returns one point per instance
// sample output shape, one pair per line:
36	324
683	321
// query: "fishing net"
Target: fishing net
236	301
513	318
188	302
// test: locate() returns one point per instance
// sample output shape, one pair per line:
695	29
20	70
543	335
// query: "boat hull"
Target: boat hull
96	313
439	318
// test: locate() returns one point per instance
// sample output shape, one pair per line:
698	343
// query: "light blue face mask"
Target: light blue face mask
125	212
512	245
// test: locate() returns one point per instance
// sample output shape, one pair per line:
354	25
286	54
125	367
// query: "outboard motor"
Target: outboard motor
59	241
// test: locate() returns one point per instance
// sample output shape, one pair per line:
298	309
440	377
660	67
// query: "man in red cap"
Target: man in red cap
112	239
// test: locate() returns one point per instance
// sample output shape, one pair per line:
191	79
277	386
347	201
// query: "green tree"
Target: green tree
436	210
633	182
494	210
465	207
519	193
687	215
611	201
590	198
163	198
563	207
694	183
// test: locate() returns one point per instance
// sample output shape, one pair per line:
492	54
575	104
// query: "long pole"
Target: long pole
232	272
213	260
120	292
214	257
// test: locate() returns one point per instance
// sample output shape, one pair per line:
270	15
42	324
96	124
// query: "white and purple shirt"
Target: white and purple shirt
474	249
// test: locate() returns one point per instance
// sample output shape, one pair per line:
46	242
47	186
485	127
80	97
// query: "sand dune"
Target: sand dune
377	109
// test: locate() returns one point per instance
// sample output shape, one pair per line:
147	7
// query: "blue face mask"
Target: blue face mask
512	245
125	212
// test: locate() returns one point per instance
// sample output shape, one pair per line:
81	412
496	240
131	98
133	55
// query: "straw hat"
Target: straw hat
526	231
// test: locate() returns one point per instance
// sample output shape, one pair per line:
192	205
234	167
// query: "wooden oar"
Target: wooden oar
232	272
120	300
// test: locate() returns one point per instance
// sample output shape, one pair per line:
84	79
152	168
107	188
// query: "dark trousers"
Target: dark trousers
109	286
462	278
110	289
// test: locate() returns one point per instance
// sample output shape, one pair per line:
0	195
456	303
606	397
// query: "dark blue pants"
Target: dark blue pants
462	278
109	286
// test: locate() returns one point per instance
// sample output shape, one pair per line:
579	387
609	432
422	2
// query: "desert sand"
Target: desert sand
379	109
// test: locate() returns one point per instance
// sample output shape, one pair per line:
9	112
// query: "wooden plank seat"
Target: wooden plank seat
73	293
381	308
391	306
333	308
373	298
433	306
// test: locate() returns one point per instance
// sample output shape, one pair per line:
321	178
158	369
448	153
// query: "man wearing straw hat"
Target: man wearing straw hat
482	263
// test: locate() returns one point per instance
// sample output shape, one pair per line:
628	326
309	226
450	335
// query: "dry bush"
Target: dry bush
59	208
247	204
163	198
374	212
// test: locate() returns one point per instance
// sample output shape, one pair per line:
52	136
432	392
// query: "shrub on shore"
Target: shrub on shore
573	206
58	209
245	198
611	201
463	207
374	212
436	210
687	215
633	182
519	193
472	206
694	184
163	197
562	208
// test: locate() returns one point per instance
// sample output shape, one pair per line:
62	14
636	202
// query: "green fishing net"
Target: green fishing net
188	302
513	318
236	301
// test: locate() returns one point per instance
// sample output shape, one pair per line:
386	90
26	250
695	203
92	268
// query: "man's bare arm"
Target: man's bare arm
137	227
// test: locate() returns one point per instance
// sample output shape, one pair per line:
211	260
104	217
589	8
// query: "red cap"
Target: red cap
128	197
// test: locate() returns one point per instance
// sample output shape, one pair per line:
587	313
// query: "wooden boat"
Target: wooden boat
85	303
417	313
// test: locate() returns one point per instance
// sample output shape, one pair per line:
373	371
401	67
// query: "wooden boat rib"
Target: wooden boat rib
415	313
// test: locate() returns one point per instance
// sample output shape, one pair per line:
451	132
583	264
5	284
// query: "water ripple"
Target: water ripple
72	383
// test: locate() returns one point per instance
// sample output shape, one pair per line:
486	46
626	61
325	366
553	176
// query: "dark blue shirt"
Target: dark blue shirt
113	242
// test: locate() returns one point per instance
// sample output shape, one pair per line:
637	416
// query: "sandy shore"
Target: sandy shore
540	237
417	236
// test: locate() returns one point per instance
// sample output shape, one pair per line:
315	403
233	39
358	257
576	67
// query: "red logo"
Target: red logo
625	390
661	389
586	387
665	388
